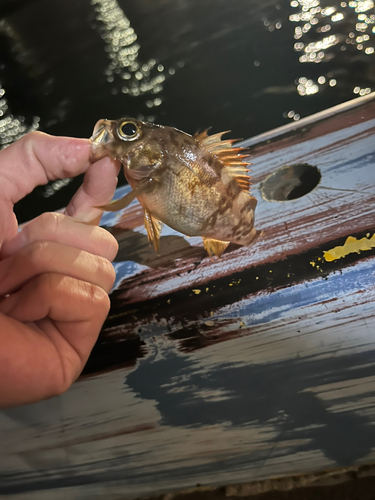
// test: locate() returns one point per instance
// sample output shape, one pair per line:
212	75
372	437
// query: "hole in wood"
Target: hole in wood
290	182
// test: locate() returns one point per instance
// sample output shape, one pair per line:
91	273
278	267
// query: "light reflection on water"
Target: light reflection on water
312	19
126	71
12	127
346	26
311	14
323	32
195	73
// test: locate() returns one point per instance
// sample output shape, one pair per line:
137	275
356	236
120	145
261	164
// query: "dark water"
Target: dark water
244	65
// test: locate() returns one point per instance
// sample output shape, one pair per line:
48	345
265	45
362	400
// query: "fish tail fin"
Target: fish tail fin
214	247
253	237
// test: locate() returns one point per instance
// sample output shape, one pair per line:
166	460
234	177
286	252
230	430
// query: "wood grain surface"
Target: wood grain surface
219	371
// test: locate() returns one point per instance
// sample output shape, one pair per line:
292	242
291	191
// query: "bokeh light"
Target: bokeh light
324	31
12	127
126	72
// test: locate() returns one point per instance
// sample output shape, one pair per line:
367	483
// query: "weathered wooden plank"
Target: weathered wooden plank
222	371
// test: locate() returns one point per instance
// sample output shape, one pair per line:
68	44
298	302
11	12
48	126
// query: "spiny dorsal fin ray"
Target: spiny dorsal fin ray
230	157
243	182
201	136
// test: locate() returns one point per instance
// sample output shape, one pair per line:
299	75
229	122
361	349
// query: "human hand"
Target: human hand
55	274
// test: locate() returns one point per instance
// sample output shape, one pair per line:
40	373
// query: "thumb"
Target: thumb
37	158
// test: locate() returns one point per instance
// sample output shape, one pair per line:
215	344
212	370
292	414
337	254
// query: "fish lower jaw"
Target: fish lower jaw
97	152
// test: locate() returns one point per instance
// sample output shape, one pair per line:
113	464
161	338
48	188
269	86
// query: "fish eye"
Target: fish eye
128	131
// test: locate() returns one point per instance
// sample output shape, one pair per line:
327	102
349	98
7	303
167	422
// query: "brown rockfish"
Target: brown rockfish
197	185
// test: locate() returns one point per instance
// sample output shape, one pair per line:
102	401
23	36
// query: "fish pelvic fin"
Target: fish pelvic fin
233	159
214	247
153	227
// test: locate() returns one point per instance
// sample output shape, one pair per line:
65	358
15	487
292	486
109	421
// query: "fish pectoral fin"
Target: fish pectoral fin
215	247
153	227
123	202
146	184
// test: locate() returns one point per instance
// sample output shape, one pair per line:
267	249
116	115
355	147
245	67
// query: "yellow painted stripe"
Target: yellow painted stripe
351	245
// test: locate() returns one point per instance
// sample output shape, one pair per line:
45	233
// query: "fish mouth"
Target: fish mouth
101	136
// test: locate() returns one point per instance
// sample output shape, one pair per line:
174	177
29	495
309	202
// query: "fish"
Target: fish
197	185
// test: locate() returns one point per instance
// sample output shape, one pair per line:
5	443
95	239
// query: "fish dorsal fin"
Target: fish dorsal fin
231	158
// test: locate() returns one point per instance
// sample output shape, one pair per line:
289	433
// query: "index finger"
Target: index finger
97	189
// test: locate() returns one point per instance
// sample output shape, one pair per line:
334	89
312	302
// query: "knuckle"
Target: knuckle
33	136
99	299
33	254
109	244
104	272
29	140
49	222
108	270
44	286
61	380
112	275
